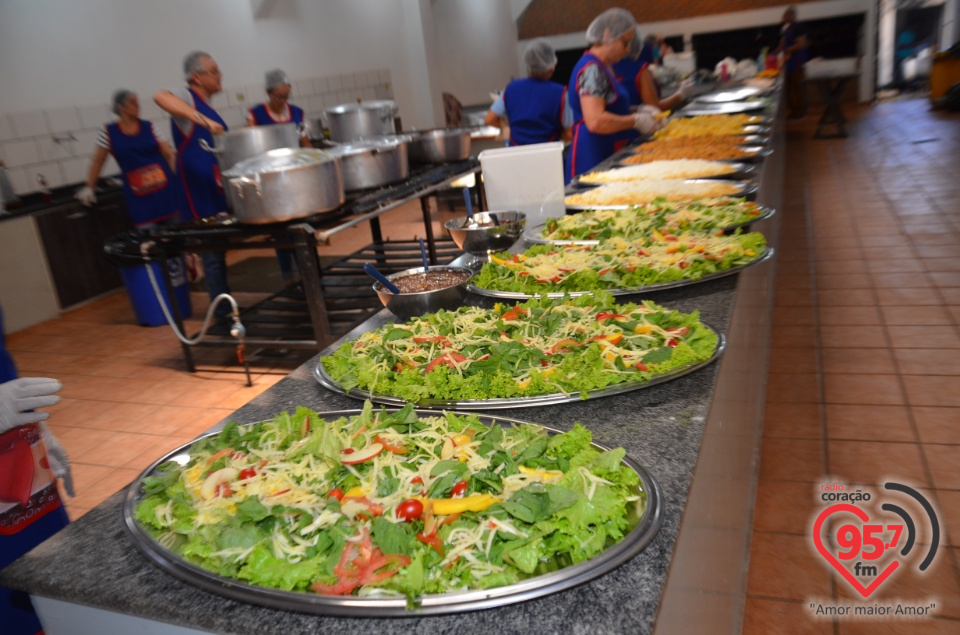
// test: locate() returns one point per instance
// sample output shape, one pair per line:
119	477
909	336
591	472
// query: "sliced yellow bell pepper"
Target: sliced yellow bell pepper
473	503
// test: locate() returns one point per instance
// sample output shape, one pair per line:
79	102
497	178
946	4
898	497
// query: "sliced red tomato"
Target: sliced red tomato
459	489
246	473
447	359
563	346
389	447
377	571
683	265
223	490
433	540
343	586
642	366
510	315
337	493
608	316
679	331
672	343
436	338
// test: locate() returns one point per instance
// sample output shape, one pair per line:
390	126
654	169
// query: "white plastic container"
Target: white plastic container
526	179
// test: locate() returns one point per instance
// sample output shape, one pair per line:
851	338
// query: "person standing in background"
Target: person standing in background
636	77
793	46
194	119
278	110
31	460
534	107
146	162
601	107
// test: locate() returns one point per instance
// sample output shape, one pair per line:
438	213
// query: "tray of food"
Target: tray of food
622	267
730	95
664	170
373	513
706	125
729	151
542	352
591	227
627	193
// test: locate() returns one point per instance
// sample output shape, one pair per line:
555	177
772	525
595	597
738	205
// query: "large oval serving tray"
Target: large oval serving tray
726	108
535	234
647	525
320	374
747	189
516	295
729	95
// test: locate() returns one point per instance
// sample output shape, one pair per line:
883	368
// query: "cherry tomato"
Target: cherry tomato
459	489
417	479
247	473
409	510
337	493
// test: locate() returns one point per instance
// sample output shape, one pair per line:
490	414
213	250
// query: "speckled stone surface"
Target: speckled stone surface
93	561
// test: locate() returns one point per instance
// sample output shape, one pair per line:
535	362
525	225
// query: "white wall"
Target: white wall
64	52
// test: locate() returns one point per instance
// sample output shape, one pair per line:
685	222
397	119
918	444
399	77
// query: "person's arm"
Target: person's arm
251	121
96	164
599	120
492	119
648	92
179	108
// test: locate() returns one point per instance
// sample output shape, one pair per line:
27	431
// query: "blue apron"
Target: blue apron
149	190
587	148
198	169
30	506
628	71
535	110
262	117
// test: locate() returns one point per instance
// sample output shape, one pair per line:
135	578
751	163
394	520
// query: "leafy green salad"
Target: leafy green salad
637	221
381	504
619	263
541	347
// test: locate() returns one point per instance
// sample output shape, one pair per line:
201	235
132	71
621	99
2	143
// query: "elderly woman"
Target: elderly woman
146	161
278	109
601	107
534	107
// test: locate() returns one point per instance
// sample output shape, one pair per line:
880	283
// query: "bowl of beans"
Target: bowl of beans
425	290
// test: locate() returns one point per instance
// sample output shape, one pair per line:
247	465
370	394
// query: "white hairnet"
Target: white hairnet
540	56
610	25
275	78
636	46
119	99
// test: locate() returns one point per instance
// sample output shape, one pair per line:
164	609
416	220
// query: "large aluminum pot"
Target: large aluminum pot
244	143
284	184
373	162
440	145
348	122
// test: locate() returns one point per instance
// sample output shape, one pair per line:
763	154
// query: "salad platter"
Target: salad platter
546	351
203	540
589	228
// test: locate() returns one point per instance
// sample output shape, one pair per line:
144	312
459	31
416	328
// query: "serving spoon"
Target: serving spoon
374	273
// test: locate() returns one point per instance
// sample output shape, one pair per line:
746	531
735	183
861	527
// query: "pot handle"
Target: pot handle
242	184
206	146
390	114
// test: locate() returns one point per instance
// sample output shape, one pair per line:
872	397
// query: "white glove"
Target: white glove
19	396
650	110
645	123
87	196
686	88
57	457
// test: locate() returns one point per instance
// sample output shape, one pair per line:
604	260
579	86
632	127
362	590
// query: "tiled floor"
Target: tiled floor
864	382
127	397
864	377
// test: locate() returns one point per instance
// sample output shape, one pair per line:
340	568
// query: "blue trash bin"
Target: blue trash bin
146	306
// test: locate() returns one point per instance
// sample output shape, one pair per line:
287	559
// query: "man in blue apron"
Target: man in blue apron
601	107
534	107
31	459
793	46
194	119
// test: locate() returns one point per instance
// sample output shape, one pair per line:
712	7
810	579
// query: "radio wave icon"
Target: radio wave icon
908	521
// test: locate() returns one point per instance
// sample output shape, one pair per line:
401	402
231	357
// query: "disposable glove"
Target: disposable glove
650	110
686	88
87	196
19	396
57	457
645	123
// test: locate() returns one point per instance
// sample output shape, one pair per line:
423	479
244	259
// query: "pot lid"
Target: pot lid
278	160
377	104
385	142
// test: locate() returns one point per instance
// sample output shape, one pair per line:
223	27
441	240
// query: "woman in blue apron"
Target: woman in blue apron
635	75
601	107
534	107
146	162
30	506
194	119
278	110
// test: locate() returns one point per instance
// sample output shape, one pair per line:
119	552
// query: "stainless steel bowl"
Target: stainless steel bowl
487	231
408	305
440	145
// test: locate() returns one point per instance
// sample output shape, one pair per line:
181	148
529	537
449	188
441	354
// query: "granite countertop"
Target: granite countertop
660	427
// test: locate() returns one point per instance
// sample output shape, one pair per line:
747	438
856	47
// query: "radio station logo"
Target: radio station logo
866	546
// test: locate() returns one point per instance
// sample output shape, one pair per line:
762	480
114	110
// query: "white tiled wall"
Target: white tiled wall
59	142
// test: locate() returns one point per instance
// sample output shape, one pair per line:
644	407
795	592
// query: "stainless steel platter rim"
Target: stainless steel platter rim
516	295
320	374
717	97
632	544
533	235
